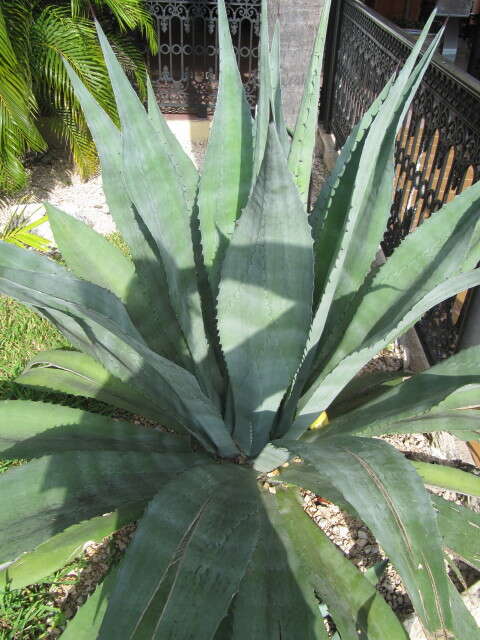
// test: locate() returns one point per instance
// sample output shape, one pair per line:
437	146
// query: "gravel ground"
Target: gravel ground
54	180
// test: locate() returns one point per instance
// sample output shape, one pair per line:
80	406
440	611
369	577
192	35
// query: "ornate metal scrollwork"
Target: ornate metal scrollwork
438	147
185	71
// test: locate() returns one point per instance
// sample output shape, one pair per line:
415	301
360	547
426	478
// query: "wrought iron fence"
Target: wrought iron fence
438	147
185	71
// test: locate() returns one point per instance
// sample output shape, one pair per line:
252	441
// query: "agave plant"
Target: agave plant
239	320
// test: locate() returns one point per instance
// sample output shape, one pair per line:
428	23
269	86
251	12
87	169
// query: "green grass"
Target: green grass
24	613
23	334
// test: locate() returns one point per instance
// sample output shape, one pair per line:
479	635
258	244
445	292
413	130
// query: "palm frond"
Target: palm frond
131	14
69	126
19	17
131	59
18	107
57	36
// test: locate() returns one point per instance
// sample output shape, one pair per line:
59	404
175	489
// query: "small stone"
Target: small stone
361	542
342	531
369	548
362	534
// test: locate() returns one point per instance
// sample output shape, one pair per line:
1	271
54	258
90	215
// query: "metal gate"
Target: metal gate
185	70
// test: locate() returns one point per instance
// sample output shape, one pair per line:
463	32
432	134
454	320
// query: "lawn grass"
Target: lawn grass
27	614
23	334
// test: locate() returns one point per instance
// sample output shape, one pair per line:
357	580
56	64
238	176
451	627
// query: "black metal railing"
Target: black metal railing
185	71
438	147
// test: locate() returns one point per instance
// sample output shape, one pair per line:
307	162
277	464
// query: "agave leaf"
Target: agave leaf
184	167
328	219
64	547
459	528
374	574
331	208
363	389
20	270
300	159
117	344
189	178
439	475
467	397
398	410
262	119
452	237
53	492
88	619
324	390
208	534
268	275
166	334
33	429
275	79
464	424
79	374
382	486
225	186
146	164
276	598
368	203
91	257
358	610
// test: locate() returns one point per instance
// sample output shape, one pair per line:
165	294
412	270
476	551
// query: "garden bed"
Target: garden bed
56	602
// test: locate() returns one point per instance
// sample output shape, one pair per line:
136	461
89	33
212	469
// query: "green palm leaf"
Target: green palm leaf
18	108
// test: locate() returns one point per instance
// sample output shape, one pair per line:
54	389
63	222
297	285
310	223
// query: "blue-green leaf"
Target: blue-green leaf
205	537
146	163
225	185
32	429
265	296
44	497
277	105
358	610
382	486
79	374
416	400
300	159
165	335
459	528
64	547
276	598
